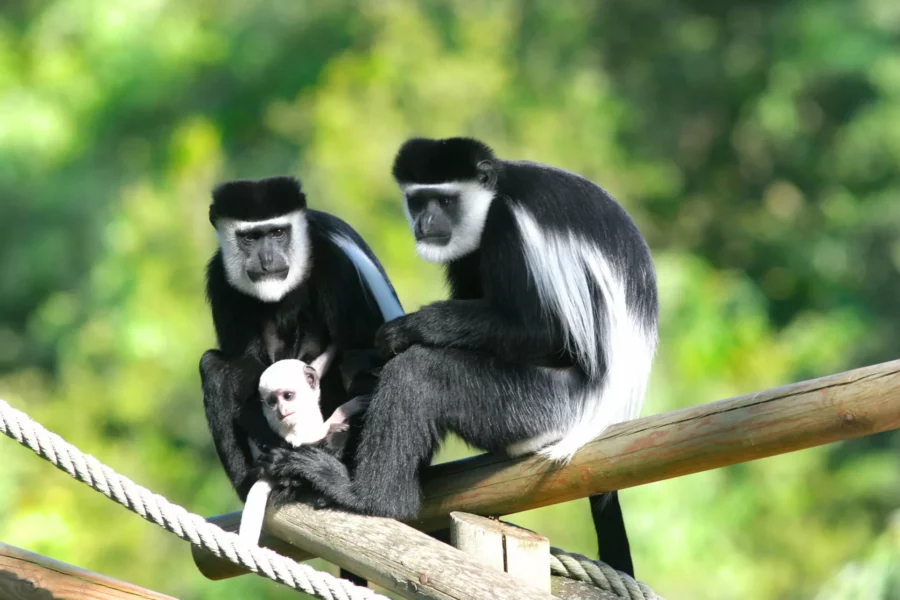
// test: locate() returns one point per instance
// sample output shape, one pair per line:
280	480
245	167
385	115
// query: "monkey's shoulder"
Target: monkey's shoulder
560	201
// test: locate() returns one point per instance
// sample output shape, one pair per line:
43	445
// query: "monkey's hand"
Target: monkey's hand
396	336
340	419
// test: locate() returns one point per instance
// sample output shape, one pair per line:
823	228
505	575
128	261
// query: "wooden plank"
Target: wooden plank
521	553
395	556
776	421
28	576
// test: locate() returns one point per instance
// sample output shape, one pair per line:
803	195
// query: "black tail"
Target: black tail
612	539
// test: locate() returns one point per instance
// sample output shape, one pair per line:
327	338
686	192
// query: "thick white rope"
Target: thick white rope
599	574
171	517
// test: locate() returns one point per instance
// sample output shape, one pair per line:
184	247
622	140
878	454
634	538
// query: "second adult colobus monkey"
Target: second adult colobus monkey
548	338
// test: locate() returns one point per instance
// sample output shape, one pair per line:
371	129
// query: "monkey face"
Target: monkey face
449	186
434	214
447	218
265	259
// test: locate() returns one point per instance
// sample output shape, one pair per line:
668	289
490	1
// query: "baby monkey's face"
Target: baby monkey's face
289	390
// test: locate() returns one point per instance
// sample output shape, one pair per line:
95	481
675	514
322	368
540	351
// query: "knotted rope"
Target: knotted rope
171	517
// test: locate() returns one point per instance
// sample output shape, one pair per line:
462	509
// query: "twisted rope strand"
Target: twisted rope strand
599	574
263	561
171	517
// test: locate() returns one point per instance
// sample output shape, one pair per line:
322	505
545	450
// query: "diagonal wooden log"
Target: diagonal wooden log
793	417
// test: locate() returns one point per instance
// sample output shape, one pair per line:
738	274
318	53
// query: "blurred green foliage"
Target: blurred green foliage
756	143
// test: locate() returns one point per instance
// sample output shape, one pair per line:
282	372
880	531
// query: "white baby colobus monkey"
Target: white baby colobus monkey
289	392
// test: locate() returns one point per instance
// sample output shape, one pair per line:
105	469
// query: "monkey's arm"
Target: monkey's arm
312	464
225	386
506	320
476	326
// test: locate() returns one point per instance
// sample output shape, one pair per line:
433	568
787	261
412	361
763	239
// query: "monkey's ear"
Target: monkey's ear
486	174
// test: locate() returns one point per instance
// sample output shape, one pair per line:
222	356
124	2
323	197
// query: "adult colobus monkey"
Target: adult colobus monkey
287	282
548	338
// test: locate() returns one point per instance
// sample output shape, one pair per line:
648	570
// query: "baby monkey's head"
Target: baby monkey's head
289	390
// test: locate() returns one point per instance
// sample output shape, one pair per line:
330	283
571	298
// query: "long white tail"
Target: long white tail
387	303
566	270
254	511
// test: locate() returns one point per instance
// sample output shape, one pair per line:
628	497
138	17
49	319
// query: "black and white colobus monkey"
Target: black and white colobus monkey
287	282
548	338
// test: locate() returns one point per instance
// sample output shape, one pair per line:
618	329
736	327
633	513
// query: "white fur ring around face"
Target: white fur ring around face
289	391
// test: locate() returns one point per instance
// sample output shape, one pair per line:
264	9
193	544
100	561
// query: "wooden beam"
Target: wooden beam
776	421
396	556
28	576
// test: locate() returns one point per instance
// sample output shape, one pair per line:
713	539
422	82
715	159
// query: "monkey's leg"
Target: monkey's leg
224	388
425	393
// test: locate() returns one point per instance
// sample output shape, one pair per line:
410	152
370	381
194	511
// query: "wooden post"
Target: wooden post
811	413
504	547
395	556
28	576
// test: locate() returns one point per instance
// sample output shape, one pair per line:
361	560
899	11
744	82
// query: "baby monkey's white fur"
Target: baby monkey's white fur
303	425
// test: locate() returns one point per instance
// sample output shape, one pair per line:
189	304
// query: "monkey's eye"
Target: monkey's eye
278	233
288	395
445	201
415	203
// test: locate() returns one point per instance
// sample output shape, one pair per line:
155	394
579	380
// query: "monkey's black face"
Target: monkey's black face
433	215
266	251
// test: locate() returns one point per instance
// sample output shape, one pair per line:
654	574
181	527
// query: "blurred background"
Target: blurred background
756	143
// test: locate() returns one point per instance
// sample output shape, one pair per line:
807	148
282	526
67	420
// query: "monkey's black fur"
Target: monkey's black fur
422	160
477	364
256	200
